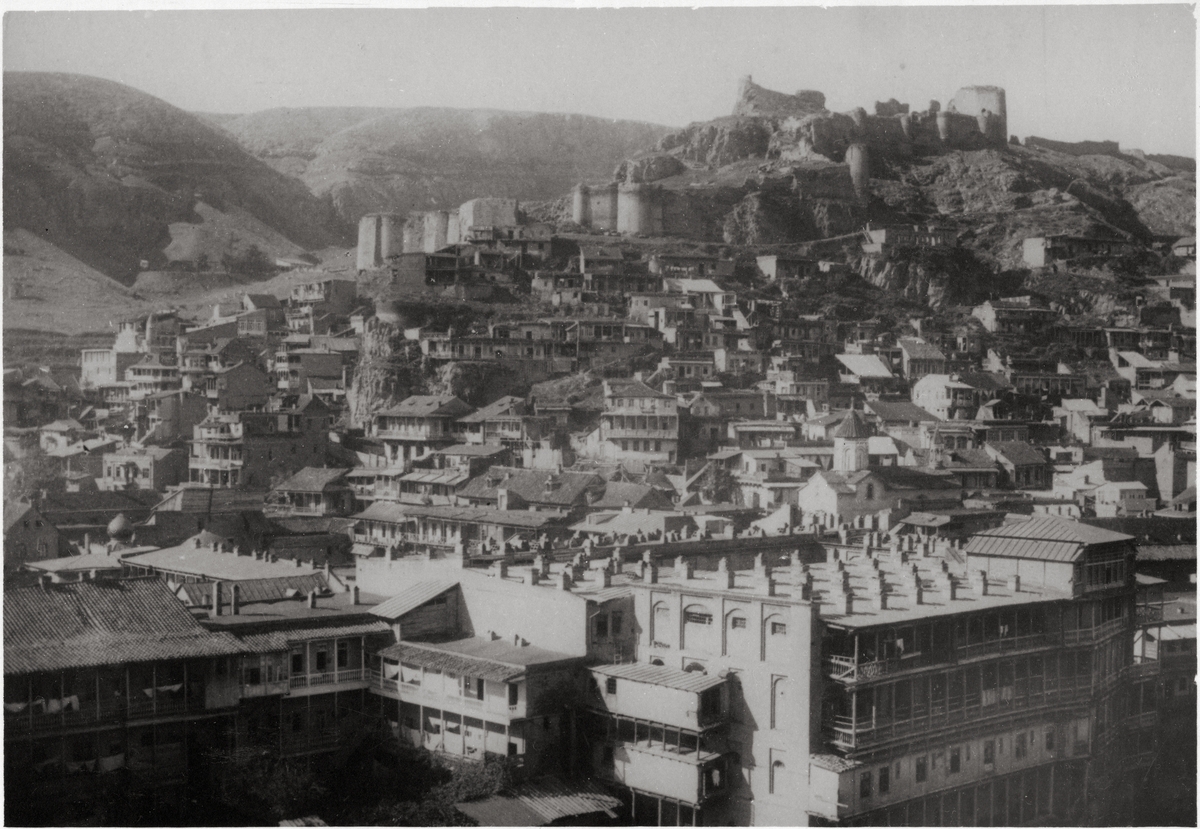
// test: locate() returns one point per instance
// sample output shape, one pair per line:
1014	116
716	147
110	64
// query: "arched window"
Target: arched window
774	638
778	702
698	629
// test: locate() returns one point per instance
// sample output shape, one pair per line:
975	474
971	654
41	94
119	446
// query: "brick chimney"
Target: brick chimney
215	611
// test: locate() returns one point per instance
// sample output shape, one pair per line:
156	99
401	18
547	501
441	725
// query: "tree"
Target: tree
202	262
719	485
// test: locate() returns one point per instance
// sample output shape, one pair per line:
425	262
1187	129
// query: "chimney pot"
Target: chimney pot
312	599
216	600
1014	583
354	594
234	599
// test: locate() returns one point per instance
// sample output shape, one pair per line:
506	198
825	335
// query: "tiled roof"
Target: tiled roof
919	349
470	450
1018	452
1166	552
535	486
616	493
312	479
199	593
852	427
634	389
87	624
693	681
412	597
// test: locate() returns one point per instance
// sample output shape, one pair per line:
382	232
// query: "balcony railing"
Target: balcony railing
334	677
213	463
1101	631
866	731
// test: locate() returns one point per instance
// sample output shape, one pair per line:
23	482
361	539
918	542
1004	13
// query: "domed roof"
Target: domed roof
120	527
853	427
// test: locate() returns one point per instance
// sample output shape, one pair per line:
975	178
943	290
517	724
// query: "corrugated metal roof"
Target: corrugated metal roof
1032	548
453	663
833	762
692	681
1052	528
87	624
539	802
412	597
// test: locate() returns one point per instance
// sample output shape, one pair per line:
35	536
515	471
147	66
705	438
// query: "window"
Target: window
514	694
955	761
1049	739
610	685
777	769
697	618
922	769
884	779
297	662
602	627
864	784
738	622
1020	748
778	628
322	660
343	654
989	752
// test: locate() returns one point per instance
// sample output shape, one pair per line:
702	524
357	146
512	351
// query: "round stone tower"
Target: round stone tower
581	205
380	235
858	159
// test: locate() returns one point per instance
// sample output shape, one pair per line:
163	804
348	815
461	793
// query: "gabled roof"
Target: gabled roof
263	300
1052	528
505	406
208	500
312	479
428	405
535	486
634	388
211	564
919	349
1018	452
87	624
617	494
541	802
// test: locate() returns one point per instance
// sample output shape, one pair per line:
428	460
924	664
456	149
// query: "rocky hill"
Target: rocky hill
113	176
777	171
396	160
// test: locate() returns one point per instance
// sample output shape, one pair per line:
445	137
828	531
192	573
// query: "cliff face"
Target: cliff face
388	370
102	171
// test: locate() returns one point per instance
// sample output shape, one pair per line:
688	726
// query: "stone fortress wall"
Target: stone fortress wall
801	130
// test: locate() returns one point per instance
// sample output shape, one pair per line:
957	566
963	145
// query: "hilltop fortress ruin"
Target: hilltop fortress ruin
780	168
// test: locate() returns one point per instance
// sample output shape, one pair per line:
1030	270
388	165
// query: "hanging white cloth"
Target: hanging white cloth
15	707
53	705
170	688
391	671
112	762
148	692
71	703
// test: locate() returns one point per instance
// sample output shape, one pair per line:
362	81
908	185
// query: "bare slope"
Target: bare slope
102	170
395	160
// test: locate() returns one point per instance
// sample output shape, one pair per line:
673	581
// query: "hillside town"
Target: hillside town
543	492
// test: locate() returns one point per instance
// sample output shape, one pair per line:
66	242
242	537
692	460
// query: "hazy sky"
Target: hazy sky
1125	73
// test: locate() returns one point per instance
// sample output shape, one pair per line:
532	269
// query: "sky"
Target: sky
1108	72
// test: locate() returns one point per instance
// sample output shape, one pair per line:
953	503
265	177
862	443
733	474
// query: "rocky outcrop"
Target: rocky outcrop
756	101
648	168
388	370
720	142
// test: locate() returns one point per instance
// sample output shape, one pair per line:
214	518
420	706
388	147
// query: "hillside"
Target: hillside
113	176
396	160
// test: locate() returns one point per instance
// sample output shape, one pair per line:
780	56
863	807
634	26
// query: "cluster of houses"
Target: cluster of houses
788	569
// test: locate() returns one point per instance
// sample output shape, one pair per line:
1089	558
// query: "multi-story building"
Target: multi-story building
150	467
418	425
1014	315
240	386
919	358
247	449
946	396
638	423
507	422
312	492
326	296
